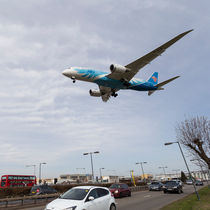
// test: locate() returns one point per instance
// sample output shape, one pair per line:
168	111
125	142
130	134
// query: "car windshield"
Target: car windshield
75	194
171	183
155	183
114	186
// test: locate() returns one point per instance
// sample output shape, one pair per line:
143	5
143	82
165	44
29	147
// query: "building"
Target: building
110	179
74	178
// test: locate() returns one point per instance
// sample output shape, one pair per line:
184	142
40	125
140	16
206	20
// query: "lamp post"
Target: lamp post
34	168
40	173
201	170
176	170
101	173
141	163
91	159
169	143
163	167
81	169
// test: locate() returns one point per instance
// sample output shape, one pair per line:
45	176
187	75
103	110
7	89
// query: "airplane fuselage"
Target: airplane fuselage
99	77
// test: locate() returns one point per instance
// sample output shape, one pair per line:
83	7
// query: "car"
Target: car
198	183
84	197
172	186
189	181
120	190
156	186
42	189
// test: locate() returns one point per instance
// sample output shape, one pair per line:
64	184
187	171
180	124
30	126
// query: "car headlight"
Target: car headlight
116	191
71	208
175	187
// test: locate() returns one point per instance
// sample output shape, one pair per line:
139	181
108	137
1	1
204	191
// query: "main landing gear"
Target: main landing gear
114	94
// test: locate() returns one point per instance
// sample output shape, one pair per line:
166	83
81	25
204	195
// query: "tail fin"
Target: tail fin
154	78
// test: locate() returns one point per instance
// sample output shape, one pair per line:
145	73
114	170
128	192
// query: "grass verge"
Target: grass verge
191	202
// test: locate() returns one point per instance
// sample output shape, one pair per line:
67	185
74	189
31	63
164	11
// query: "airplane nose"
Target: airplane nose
65	72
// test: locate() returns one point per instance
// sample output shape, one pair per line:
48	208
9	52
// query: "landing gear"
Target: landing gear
73	78
114	94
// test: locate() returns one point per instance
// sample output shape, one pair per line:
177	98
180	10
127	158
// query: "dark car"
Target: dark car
120	190
172	186
42	189
198	183
157	186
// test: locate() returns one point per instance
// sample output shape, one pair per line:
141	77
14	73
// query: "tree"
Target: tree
183	176
194	134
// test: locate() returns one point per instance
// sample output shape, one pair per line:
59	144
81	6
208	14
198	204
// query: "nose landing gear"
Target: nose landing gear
73	78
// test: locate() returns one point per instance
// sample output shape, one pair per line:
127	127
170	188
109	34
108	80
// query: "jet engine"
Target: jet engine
118	68
94	92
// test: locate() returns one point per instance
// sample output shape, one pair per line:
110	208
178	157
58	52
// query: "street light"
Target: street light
101	173
201	170
176	170
34	168
81	169
163	167
141	163
169	143
91	158
40	164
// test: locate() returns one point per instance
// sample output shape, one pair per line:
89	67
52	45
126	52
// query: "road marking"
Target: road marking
147	196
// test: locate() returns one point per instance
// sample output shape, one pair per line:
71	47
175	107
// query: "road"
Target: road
145	200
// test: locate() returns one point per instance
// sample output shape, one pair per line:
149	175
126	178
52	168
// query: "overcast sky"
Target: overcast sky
44	117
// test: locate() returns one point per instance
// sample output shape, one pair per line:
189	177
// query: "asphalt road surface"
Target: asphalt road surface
144	200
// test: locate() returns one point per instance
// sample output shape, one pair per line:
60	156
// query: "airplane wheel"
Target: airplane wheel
74	81
115	95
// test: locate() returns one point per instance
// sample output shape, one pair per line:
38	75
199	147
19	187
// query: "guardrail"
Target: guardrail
38	199
20	201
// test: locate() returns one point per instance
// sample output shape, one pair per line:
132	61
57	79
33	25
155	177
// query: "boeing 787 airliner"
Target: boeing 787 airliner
121	77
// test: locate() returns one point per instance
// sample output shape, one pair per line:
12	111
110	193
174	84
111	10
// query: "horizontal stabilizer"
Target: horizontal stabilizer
166	82
160	85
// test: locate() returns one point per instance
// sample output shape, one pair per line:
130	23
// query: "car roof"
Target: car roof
88	187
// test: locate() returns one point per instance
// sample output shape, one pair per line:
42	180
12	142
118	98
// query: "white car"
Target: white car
84	198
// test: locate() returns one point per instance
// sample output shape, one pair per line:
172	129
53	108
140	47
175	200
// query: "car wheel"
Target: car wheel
165	191
112	207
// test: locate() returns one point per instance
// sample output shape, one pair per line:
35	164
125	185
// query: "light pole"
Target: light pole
40	173
101	173
91	159
169	143
81	169
201	170
163	167
34	168
176	170
141	163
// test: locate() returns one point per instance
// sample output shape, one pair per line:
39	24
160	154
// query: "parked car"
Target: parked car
198	183
84	197
189	181
120	190
157	186
172	186
42	189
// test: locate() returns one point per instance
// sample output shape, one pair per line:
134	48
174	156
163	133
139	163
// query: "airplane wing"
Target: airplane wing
106	92
136	65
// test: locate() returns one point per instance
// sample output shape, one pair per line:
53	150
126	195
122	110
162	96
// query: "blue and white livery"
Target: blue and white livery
122	77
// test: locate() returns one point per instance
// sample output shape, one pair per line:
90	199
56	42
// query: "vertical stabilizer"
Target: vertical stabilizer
154	78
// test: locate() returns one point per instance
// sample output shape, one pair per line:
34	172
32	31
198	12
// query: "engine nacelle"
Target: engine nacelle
94	92
118	68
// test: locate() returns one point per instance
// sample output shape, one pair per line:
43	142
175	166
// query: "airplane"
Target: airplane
121	77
